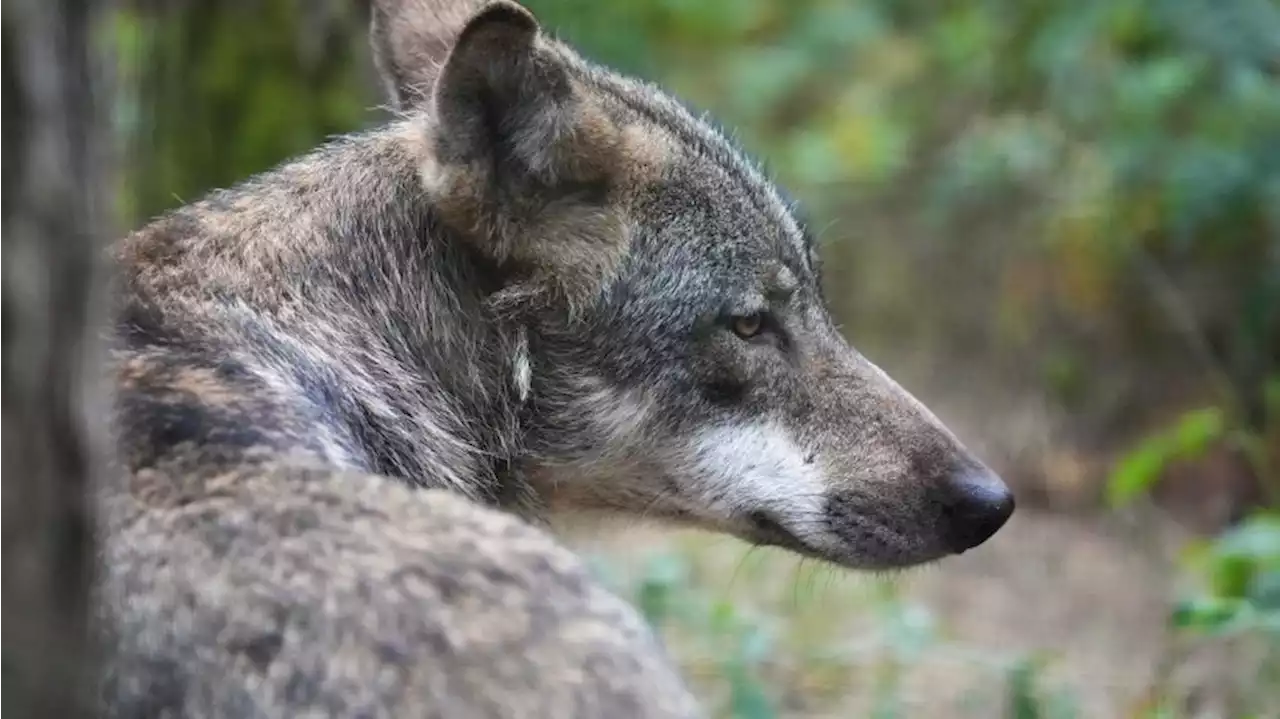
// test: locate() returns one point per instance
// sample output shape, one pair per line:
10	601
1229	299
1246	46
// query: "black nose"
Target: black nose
979	505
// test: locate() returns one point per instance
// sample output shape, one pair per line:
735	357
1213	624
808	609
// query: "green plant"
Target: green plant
1234	591
1240	581
1189	438
752	662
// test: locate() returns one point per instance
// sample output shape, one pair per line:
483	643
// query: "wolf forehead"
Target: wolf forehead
704	175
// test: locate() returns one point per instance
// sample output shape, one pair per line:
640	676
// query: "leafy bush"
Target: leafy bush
1235	598
1235	589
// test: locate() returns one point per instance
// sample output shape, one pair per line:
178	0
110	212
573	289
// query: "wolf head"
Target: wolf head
672	345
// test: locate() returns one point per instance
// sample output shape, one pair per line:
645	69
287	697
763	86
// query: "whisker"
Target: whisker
738	567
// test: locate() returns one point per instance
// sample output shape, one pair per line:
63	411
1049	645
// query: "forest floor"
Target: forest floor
1087	594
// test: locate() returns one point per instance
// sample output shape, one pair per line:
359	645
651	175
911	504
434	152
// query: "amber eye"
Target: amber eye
748	326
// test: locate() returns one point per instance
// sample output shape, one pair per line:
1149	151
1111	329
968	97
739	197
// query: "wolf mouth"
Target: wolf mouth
768	531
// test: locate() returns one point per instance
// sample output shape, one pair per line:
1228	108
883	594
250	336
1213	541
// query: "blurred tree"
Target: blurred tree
53	179
216	91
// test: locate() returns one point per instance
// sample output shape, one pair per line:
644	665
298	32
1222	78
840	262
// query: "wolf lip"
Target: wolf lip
769	531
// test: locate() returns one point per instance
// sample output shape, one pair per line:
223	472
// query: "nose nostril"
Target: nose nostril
980	505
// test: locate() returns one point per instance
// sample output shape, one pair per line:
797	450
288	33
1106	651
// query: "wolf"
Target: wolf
353	393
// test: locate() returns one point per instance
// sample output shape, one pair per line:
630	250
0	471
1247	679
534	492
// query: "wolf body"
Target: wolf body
347	390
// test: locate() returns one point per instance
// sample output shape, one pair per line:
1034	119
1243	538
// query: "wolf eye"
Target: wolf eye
748	326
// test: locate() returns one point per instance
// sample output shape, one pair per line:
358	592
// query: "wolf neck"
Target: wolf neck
389	310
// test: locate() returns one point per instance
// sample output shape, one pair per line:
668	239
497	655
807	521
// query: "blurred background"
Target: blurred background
1055	221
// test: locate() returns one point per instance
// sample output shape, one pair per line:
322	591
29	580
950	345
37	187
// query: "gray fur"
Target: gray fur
523	293
304	591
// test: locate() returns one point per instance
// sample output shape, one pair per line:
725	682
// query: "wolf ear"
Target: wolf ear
524	157
505	97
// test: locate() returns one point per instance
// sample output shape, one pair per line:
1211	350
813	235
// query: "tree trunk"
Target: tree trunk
53	222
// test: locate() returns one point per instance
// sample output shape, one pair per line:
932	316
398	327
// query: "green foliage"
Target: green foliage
214	92
759	662
1027	698
1194	434
1239	588
663	595
1236	589
1189	438
1237	597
